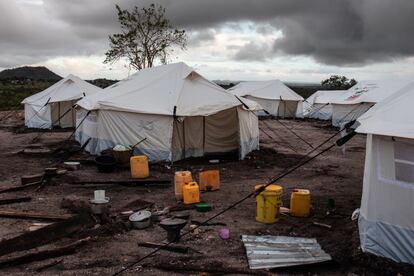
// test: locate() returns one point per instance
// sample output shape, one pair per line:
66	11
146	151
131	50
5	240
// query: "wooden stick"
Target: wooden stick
18	188
44	254
49	265
322	225
170	247
15	200
32	215
36	226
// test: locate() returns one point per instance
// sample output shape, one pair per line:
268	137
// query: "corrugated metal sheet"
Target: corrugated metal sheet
282	251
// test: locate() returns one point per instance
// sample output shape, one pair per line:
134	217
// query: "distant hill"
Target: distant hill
102	83
304	89
39	73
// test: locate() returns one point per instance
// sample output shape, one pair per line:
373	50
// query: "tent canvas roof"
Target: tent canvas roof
272	90
67	89
392	117
370	91
163	89
324	96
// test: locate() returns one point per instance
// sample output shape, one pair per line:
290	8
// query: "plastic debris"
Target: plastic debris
224	233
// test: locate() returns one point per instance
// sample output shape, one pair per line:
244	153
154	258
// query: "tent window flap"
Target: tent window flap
404	161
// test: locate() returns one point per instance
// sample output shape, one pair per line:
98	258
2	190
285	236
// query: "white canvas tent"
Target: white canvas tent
179	112
46	109
318	105
274	96
386	221
362	97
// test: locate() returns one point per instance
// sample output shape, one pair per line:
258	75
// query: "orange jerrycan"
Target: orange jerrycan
300	203
139	166
191	193
180	179
209	180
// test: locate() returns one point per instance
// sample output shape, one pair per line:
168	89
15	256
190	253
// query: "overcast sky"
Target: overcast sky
292	40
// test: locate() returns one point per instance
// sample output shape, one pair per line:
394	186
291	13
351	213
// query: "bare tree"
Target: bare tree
146	36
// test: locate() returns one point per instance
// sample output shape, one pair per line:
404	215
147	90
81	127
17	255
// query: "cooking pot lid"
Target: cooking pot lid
173	221
140	216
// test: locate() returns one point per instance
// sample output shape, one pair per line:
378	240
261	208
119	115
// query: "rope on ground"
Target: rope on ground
294	133
280	137
274	140
348	125
338	143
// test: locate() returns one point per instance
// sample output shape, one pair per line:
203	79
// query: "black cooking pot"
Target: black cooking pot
105	163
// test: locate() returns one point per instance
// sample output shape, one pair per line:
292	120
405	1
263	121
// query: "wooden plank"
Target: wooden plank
33	215
46	234
15	200
34	178
19	188
43	254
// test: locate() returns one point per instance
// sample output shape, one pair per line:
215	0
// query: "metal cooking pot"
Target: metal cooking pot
141	219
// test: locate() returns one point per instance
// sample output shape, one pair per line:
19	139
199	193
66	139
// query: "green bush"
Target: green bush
12	93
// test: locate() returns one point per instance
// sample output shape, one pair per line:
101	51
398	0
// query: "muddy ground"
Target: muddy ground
333	175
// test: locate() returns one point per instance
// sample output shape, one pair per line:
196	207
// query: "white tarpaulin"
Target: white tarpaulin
179	112
52	106
361	97
274	96
343	113
318	105
386	223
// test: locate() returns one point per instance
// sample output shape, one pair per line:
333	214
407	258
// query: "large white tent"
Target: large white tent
386	221
47	108
273	95
318	105
180	113
361	97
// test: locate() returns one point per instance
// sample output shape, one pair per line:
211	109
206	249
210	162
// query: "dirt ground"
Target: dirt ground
333	175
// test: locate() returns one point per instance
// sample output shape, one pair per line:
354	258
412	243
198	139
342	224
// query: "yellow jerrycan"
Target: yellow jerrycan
268	203
300	203
191	193
180	179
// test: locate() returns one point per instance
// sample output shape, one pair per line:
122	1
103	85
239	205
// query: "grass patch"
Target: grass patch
11	94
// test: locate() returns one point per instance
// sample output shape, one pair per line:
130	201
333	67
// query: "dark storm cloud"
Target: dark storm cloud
253	51
336	32
198	37
30	37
